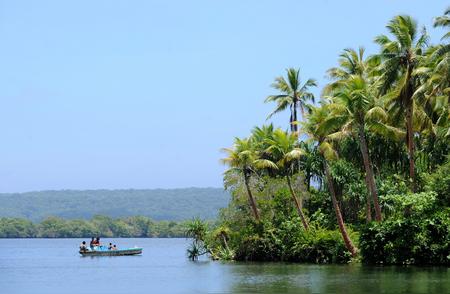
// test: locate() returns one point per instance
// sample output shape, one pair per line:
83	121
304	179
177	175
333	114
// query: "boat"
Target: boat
105	252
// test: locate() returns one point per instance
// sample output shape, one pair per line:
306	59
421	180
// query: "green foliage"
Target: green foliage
404	205
196	229
289	242
417	232
439	182
353	161
103	226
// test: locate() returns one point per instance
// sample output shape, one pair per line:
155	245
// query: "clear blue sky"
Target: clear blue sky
143	94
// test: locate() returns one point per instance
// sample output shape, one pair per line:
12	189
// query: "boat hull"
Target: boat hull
121	252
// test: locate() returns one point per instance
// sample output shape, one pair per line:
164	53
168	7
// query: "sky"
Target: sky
143	94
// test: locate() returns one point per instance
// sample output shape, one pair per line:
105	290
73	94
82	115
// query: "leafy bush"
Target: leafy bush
417	232
439	182
320	246
290	242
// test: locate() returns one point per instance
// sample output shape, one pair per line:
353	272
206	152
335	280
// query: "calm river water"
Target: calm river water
50	266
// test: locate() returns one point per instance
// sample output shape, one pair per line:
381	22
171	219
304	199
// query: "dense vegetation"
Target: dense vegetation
103	226
158	204
364	173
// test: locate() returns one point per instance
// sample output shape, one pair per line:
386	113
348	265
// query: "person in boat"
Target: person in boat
92	244
110	247
83	246
98	242
114	247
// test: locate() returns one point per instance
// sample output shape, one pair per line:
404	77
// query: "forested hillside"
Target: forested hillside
158	204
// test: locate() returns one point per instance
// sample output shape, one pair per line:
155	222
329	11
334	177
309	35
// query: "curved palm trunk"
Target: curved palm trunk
298	204
251	198
347	241
370	179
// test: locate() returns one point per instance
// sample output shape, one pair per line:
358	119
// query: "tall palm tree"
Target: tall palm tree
285	153
243	160
350	104
352	101
293	95
434	93
319	126
400	57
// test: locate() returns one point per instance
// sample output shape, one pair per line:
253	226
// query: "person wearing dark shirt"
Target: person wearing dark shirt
92	244
97	242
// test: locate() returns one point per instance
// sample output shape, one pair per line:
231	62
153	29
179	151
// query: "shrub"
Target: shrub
417	232
439	182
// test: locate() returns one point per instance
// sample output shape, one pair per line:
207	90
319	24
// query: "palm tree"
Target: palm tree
285	154
319	126
401	56
293	95
350	104
244	161
434	93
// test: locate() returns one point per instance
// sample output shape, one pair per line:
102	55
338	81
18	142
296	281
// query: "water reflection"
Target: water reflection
295	278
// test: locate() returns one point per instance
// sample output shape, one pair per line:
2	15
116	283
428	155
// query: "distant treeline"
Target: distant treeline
157	204
102	226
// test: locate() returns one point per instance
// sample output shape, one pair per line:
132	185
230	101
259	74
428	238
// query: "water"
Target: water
54	266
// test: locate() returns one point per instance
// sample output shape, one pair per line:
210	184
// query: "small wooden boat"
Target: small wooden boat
119	252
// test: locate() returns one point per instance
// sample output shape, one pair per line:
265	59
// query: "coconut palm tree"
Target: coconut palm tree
400	57
319	126
243	160
293	95
350	104
434	93
285	153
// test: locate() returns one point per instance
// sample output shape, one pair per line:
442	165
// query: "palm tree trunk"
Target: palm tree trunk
409	126
251	198
347	241
410	134
291	120
298	204
295	117
308	181
370	179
